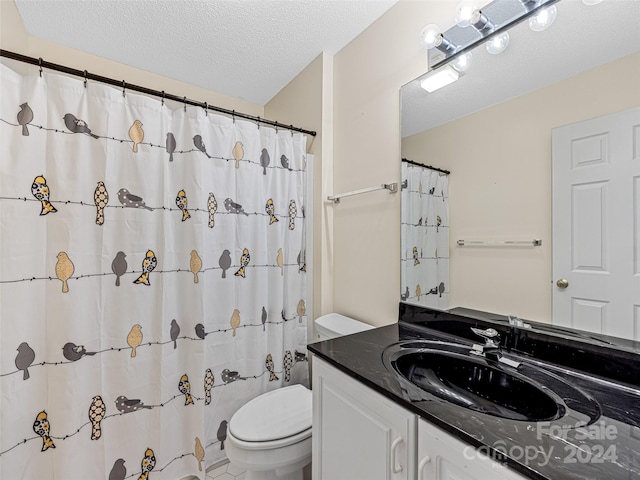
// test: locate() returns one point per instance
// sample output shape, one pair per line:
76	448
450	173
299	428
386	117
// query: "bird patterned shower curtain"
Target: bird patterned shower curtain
424	236
152	278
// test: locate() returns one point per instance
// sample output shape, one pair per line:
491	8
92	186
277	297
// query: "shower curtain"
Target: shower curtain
425	236
152	278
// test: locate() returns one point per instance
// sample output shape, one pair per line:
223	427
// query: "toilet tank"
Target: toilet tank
334	325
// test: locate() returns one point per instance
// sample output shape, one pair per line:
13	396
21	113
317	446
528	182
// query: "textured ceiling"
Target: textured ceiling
582	37
247	49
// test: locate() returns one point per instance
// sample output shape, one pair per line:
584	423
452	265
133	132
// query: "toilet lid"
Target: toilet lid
274	415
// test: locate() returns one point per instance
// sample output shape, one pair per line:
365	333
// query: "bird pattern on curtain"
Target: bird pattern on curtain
425	236
152	279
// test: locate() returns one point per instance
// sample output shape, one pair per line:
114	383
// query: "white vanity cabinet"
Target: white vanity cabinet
358	434
444	457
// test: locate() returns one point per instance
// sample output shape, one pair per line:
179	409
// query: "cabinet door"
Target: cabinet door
443	457
357	433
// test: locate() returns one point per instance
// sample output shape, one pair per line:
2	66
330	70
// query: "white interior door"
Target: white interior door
596	225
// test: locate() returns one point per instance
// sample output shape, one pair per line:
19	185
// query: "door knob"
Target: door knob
562	283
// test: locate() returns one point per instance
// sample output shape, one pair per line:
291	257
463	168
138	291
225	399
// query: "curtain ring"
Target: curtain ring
184	100
233	116
123	87
163	98
258	123
206	109
276	127
85	78
40	65
291	128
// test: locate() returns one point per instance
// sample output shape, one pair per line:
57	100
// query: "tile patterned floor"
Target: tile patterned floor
226	472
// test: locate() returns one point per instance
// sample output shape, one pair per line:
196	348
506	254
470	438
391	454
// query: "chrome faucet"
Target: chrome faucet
491	349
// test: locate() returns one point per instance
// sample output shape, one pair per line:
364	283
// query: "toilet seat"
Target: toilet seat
275	419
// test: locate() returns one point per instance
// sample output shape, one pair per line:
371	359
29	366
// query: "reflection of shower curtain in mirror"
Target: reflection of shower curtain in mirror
152	279
425	236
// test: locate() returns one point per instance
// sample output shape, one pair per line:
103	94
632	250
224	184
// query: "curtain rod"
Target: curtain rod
136	88
411	162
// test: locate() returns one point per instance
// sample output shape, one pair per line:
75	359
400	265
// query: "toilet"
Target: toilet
270	436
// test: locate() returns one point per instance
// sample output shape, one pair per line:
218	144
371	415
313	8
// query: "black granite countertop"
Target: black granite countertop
601	441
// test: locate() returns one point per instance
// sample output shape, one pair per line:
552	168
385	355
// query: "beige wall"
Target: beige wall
368	74
14	38
500	185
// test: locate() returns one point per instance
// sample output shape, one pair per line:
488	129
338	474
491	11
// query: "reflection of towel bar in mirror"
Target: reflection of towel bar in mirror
392	187
536	242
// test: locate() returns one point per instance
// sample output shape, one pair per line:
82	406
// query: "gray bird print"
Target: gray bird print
119	266
174	332
405	295
265	160
118	471
230	376
208	385
24	359
293	210
222	433
225	262
212	207
125	405
25	116
199	144
233	207
264	319
129	200
288	363
299	357
284	161
200	333
75	125
170	145
73	352
302	261
101	199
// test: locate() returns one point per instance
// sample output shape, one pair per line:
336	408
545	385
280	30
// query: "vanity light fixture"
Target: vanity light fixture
469	14
462	62
432	37
439	78
591	2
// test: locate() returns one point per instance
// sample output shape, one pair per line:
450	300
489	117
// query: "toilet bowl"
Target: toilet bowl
270	436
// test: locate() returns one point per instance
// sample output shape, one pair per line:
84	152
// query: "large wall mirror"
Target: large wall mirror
494	130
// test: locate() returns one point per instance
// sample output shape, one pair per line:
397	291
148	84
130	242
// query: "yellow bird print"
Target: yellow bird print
40	190
418	291
235	321
147	464
100	198
195	264
238	153
280	261
270	209
244	261
415	256
185	388
134	339
212	207
301	310
181	202
148	265
41	427
199	453
64	270
96	414
136	134
269	364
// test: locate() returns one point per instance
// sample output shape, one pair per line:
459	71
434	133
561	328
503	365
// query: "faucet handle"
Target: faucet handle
490	334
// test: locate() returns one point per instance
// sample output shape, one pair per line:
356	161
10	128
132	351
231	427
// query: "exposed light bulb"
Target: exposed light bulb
431	36
498	43
465	12
462	62
591	2
543	19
